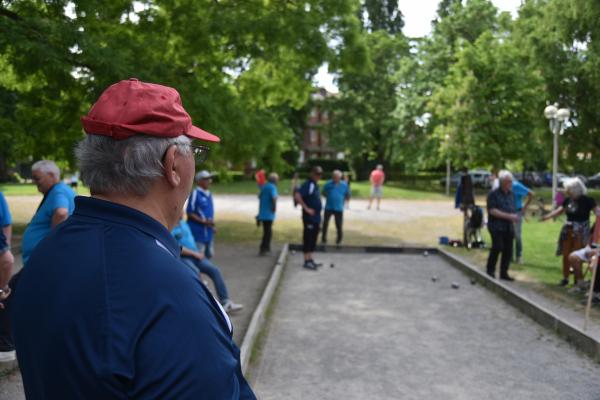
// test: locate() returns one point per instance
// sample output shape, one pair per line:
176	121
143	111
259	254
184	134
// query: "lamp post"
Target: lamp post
447	167
557	118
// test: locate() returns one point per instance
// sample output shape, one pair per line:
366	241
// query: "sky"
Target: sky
417	22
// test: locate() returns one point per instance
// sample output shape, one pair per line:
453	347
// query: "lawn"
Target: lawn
539	247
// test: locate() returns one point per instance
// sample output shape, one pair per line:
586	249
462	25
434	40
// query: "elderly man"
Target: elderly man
201	214
106	309
309	198
267	206
56	206
7	349
336	192
502	216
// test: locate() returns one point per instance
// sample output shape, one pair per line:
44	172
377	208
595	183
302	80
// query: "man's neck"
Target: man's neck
149	205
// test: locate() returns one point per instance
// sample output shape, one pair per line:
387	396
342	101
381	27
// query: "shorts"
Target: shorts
377	191
309	237
208	249
584	254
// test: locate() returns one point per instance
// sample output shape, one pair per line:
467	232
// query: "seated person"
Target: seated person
576	259
198	263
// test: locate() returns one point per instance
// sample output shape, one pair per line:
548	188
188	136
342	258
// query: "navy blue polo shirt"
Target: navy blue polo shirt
312	198
106	310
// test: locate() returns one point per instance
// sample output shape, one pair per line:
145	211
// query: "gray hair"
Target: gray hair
505	174
128	166
574	187
380	167
273	177
337	172
47	167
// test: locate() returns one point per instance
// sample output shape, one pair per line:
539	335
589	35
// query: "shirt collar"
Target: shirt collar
120	214
206	192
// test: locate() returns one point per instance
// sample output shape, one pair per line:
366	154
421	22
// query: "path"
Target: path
377	327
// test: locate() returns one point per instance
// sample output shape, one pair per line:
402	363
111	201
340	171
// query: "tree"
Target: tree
489	106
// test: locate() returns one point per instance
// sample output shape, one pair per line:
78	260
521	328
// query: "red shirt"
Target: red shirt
377	177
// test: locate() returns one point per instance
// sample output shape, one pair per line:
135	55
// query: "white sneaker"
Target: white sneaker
6	356
230	306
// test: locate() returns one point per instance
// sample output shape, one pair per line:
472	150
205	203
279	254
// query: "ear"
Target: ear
172	166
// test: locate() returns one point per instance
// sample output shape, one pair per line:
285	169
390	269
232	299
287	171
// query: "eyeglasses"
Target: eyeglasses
200	153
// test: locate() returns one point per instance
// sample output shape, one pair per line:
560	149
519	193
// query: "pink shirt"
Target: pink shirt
377	177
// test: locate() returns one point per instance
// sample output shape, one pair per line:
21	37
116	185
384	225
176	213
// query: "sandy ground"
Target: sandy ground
377	327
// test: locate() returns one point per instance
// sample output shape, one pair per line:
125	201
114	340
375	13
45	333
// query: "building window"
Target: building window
314	136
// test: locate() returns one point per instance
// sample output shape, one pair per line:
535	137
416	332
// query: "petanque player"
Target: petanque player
309	198
201	214
377	178
267	207
335	192
7	348
521	192
501	219
198	264
105	308
55	207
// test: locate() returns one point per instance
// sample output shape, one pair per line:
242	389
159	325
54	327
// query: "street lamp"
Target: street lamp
446	137
557	118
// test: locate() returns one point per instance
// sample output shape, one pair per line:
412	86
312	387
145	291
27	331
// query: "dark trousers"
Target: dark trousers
6	339
265	244
310	235
502	242
339	221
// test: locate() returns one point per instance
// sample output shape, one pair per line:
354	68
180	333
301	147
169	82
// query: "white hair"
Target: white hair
46	167
574	187
128	166
273	177
337	172
505	174
379	167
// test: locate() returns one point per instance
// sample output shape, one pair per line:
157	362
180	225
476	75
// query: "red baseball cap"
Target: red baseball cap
132	107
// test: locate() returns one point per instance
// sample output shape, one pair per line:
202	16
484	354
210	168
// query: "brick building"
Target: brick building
315	143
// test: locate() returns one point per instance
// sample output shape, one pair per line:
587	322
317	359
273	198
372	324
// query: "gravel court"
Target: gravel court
376	327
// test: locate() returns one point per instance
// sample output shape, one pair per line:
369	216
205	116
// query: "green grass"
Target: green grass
29	189
539	247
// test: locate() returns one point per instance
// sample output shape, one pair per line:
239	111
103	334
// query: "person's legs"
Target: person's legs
567	248
311	232
507	251
518	235
6	339
208	268
206	248
265	244
495	250
339	224
379	193
576	263
326	218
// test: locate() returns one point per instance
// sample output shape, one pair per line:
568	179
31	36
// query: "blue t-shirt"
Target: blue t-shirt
520	192
201	204
5	217
183	234
118	315
59	196
312	198
335	194
267	195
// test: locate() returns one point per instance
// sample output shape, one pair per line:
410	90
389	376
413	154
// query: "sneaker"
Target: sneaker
316	264
7	356
595	300
580	287
563	282
264	253
230	306
310	265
